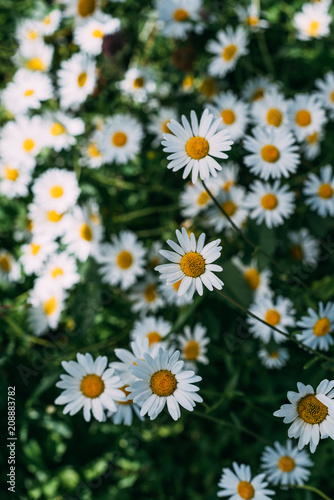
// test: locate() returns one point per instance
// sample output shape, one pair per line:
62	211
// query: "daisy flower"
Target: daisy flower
15	178
273	153
56	189
81	10
231	45
46	223
311	145
35	57
317	327
162	381
151	328
171	296
275	359
232	203
257	88
312	22
319	191
228	177
257	281
27	90
47	304
158	124
29	31
35	253
271	110
304	247
125	410
310	413
233	112
76	80
285	465
91	154
178	17
123	260
195	198
239	484
325	91
269	203
89	386
138	83
89	36
121	139
192	264
62	130
250	16
50	23
193	146
146	296
280	315
306	115
9	268
60	270
193	346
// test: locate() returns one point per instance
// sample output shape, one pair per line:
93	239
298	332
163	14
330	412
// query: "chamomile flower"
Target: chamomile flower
91	154
122	261
285	465
27	90
56	189
192	264
162	381
195	198
146	296
171	296
121	139
151	328
35	57
271	110
50	22
310	413
81	235
9	267
158	124
138	83
81	10
317	327
233	112
306	115
62	130
60	270
76	80
228	177
178	17
35	253
275	359
311	145
269	203
319	191
250	16
304	247
230	46
193	346
325	91
279	314
257	281
90	386
125	410
239	484
312	22
15	178
273	153
193	147
232	203
47	304
257	88
89	36
46	223
29	31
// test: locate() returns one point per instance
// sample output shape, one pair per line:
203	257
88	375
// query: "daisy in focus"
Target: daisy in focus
88	385
193	146
233	111
161	381
76	80
89	36
230	46
319	191
317	327
151	328
239	484
192	264
274	360
193	346
285	465
312	22
178	17
56	189
304	247
310	413
10	270
121	139
306	115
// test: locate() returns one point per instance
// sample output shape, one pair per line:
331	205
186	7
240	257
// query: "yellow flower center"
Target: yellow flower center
229	52
86	7
286	464
128	401
119	139
180	15
313	29
35	64
49	306
269	201
150	293
270	153
272	317
34	248
28	145
5	263
176	285
47	20
252	278
229	207
53	216
258	94
86	232
227	185
29	92
82	78
95	219
246	490
252	20
332	96
56	191
312	138
191	350
98	34
163	383
197	147
322	327
325	191
297	252
93	151
274	117
57	271
138	83
10	173
153	338
311	410
164	127
92	386
228	116
203	198
192	264
32	35
57	129
274	355
124	259
303	118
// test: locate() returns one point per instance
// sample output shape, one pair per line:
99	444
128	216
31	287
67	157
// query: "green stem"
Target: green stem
315	490
143	212
265	53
